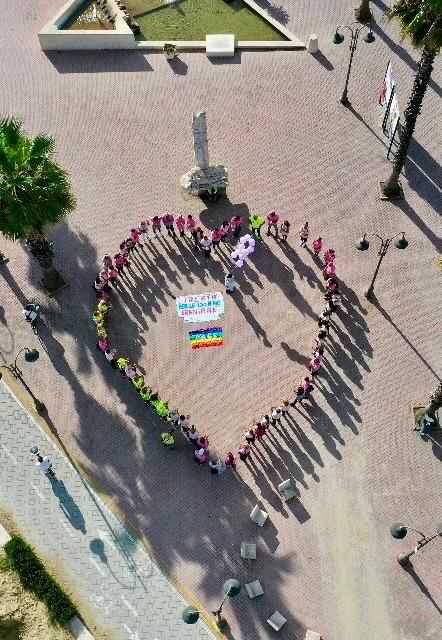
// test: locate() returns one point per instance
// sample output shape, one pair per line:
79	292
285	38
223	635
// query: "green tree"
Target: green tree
362	12
421	22
35	193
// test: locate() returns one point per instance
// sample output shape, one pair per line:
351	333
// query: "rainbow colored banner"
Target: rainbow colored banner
212	337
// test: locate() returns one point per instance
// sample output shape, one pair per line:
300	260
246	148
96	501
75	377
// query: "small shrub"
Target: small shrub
34	578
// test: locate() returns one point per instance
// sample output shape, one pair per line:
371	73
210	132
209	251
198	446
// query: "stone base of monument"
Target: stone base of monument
199	181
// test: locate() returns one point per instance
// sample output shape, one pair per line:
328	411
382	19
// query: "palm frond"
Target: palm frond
11	129
35	191
42	147
420	20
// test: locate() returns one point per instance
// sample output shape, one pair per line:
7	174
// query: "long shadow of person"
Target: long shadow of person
253	322
68	505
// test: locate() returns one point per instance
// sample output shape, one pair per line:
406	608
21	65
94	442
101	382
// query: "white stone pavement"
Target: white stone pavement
115	583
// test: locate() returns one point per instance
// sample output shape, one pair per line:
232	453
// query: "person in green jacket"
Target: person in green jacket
122	363
256	222
169	439
138	382
145	393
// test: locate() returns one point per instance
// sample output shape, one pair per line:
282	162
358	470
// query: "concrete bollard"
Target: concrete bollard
312	46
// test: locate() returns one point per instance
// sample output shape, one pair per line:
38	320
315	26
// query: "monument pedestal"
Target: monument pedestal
204	176
199	181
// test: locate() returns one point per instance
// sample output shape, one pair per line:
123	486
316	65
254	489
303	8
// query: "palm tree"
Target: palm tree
421	21
362	12
34	193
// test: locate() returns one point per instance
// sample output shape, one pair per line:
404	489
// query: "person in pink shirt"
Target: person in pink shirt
306	384
180	224
201	455
103	344
229	460
120	261
272	222
317	246
104	275
135	236
224	230
202	442
235	226
156	225
329	255
216	238
260	431
315	366
329	270
168	221
190	224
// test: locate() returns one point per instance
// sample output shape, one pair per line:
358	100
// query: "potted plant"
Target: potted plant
169	50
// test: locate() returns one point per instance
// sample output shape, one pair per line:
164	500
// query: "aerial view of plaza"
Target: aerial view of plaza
220	320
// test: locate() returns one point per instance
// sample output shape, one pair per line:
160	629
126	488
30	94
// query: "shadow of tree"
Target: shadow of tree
279	13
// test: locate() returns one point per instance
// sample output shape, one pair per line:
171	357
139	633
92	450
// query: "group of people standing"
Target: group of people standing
113	268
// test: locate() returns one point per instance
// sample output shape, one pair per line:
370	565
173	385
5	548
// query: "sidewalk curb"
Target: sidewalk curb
4	536
78	630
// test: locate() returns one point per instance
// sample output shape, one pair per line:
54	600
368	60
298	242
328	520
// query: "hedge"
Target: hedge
34	578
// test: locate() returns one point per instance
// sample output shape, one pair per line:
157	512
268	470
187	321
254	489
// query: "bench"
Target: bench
286	490
220	45
254	589
258	516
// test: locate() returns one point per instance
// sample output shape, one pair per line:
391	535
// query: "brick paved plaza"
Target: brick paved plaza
122	122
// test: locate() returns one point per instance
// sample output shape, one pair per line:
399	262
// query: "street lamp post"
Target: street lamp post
31	355
363	245
399	531
355	30
232	588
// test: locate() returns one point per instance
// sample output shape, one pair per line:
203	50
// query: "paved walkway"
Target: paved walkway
115	583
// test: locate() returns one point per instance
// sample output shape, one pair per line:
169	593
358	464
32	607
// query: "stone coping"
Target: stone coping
200	45
4	536
52	37
78	630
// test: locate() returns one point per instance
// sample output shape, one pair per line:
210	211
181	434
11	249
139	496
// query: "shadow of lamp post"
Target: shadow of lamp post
231	589
355	30
399	531
363	245
31	355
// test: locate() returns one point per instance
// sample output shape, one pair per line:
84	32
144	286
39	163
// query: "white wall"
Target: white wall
76	39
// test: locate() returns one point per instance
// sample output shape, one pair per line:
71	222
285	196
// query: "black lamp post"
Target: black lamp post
363	245
399	531
355	30
232	588
31	355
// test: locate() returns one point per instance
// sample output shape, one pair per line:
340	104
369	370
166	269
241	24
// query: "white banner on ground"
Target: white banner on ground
202	307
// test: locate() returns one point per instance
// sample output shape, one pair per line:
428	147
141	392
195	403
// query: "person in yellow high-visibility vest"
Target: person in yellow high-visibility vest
256	222
168	438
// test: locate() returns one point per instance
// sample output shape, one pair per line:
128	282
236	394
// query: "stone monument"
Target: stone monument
204	176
